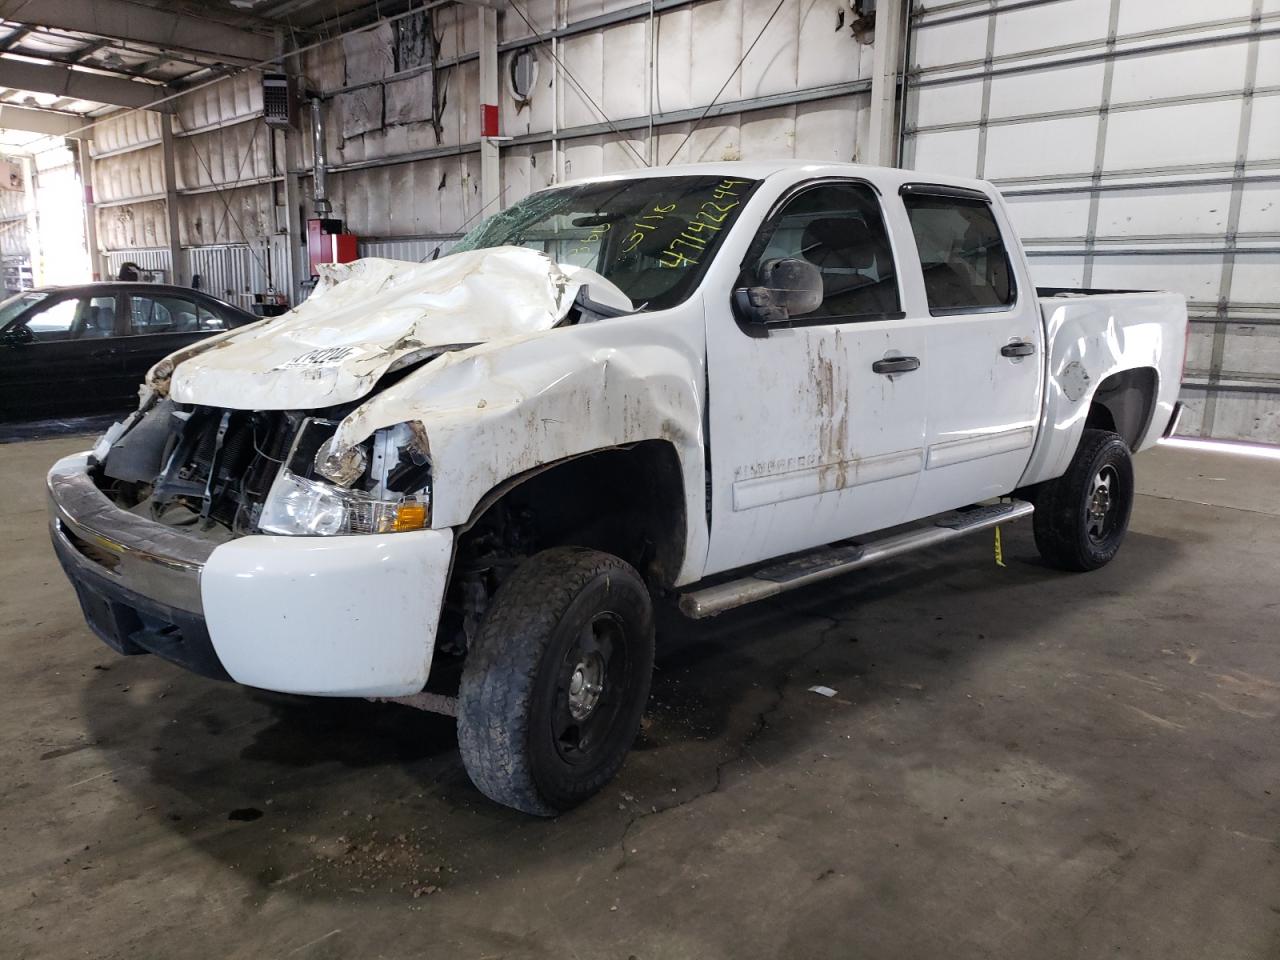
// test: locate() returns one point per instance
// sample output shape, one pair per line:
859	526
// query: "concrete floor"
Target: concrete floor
1017	763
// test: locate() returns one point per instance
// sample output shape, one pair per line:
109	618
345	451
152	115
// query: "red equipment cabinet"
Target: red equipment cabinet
326	243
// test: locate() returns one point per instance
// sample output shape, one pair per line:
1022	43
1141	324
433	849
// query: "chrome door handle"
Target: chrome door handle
896	365
1020	348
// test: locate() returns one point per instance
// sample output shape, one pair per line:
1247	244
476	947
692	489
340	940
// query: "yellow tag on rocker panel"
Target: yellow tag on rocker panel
999	550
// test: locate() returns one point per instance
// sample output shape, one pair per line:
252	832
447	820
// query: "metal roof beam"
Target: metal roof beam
87	50
136	23
42	121
14	38
80	84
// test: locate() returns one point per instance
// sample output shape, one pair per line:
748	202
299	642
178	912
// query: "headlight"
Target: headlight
364	496
300	507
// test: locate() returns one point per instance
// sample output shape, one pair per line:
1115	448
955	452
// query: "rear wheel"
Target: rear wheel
556	680
1081	517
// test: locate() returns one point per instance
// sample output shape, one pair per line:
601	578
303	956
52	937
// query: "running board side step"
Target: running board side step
832	561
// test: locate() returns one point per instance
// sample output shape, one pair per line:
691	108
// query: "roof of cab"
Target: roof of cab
760	169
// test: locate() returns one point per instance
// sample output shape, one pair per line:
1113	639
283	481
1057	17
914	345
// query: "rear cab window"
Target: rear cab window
963	257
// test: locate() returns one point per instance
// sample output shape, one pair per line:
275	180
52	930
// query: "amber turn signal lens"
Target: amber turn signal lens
410	516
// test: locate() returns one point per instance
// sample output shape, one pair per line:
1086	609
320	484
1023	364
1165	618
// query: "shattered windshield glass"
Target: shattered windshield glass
653	237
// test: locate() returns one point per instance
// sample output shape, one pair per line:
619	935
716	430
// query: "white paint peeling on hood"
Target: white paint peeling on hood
365	316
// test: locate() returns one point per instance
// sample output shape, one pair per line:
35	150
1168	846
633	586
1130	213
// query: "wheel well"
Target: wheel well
628	501
1123	404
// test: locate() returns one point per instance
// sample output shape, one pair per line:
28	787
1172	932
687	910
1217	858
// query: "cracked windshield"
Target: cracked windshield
653	238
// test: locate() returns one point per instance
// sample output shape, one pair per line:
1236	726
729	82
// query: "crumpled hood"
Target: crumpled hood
366	316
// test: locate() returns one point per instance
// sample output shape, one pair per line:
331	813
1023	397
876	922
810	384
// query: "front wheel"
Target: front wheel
556	680
1081	517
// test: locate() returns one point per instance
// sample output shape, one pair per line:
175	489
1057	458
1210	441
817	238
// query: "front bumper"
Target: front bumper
329	616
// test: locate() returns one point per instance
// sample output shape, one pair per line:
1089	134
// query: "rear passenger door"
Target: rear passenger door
158	324
985	338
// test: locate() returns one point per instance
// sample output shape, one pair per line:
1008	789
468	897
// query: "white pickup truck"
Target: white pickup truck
462	483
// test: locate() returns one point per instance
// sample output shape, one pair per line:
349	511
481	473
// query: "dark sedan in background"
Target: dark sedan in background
83	350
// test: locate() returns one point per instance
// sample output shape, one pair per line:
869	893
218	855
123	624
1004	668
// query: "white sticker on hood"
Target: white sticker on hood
323	357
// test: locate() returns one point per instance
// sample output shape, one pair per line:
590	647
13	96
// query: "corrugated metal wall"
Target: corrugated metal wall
378	187
15	245
13	217
226	166
782	103
1138	142
229	272
128	186
1136	139
152	259
418	251
403	121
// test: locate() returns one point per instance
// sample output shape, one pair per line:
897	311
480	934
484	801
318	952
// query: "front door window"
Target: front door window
838	228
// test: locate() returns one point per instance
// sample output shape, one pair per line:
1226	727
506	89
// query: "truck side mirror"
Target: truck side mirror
786	288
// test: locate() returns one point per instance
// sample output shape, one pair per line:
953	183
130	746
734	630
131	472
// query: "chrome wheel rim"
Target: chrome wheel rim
591	681
586	684
1103	504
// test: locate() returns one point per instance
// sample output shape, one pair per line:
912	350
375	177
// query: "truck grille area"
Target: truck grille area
219	466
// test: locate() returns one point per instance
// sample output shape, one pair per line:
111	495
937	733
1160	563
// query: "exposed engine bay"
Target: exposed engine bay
222	474
229	473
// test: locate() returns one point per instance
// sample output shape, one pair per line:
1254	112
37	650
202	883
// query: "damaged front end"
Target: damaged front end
275	490
228	473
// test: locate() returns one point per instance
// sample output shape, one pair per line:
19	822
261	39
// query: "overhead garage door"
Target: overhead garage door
1138	142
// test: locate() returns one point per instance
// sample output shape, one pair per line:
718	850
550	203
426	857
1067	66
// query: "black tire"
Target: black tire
1077	527
534	732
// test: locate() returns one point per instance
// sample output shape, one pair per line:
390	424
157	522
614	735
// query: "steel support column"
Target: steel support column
289	192
490	169
177	269
85	162
885	76
292	198
35	253
1217	355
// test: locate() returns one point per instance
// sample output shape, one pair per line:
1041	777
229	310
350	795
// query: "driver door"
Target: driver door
59	360
816	424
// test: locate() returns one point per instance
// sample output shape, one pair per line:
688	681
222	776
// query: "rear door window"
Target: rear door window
210	320
963	257
152	315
